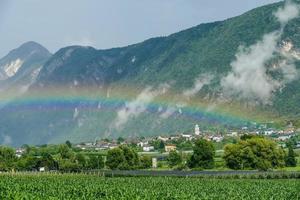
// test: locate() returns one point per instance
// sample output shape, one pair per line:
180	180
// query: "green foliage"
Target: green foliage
145	162
69	144
70	187
254	153
123	157
120	140
203	155
7	158
46	161
174	159
81	160
95	162
68	166
290	159
65	152
131	158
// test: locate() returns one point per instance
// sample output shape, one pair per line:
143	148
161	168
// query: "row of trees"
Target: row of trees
60	157
65	158
254	152
250	152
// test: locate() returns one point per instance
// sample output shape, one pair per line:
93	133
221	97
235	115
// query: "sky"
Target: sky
107	23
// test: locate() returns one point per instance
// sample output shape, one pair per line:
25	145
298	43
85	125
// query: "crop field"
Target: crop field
93	187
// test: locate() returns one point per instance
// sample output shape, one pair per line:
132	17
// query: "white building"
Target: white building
42	169
154	162
217	138
197	130
148	148
187	136
142	144
165	139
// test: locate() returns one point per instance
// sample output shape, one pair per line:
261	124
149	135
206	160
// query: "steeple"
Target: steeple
197	130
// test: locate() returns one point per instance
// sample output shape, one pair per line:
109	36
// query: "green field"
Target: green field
93	187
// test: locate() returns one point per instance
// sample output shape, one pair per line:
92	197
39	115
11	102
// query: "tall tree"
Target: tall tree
254	153
64	151
69	144
145	162
7	158
174	158
95	162
203	155
115	158
123	158
290	160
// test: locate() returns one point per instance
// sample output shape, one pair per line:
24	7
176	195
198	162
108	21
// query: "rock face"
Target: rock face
20	67
95	90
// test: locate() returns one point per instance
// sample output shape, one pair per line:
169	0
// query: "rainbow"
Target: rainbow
114	98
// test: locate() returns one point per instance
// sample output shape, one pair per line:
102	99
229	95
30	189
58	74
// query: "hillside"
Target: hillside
20	67
164	85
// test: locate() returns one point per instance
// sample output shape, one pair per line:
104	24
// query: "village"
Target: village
183	141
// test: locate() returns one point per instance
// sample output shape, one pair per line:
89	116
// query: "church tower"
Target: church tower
197	130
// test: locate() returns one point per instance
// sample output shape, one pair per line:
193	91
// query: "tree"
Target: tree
131	158
120	140
253	153
68	165
174	158
95	162
64	151
250	136
123	158
161	145
232	156
115	158
69	144
203	155
46	161
145	162
7	158
81	161
290	159
28	162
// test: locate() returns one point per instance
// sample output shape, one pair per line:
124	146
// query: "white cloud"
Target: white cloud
202	80
138	105
168	112
249	78
287	13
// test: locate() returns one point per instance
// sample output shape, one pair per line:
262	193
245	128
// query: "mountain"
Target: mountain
20	67
220	75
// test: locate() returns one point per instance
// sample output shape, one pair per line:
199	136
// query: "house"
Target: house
164	139
142	144
289	131
187	136
20	152
148	148
233	134
269	132
170	147
42	169
284	137
113	146
174	137
217	138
